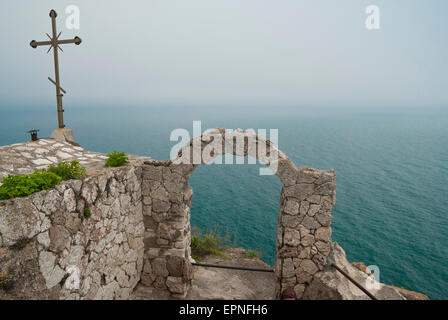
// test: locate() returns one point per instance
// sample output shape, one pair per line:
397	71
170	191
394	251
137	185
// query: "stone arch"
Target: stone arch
205	148
303	238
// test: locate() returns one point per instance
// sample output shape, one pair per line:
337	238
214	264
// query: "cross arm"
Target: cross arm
35	44
75	40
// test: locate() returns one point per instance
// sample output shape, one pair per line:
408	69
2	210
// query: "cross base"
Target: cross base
63	134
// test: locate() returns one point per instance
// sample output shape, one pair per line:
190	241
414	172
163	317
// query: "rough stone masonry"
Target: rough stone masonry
44	234
303	234
139	229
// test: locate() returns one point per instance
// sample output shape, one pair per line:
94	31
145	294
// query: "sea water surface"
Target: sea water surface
391	169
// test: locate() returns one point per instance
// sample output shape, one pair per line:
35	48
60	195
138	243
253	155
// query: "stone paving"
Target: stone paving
26	157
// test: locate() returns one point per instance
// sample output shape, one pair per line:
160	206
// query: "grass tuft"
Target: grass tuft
252	254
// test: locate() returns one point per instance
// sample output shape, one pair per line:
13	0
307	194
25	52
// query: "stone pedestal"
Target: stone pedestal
63	134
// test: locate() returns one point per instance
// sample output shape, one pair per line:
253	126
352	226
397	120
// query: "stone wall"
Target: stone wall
304	232
303	236
43	236
166	213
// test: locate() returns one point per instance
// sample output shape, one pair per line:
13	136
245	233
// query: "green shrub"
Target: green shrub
116	159
68	171
87	213
20	186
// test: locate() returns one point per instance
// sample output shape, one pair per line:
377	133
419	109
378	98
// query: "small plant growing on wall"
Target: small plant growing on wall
87	213
6	282
116	159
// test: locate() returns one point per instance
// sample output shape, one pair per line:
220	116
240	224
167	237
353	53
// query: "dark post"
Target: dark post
53	16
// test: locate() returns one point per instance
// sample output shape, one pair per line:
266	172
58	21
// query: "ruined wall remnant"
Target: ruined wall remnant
303	236
166	214
304	232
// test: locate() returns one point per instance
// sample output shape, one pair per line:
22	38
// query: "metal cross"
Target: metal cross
54	43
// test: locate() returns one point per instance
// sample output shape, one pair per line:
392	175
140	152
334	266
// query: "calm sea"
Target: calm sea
391	173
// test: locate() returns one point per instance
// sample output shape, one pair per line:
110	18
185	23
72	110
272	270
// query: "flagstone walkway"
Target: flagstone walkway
26	157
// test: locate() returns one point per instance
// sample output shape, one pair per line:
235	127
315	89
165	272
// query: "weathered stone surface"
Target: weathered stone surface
324	218
307	240
159	267
160	193
292	207
314	208
323	247
304	207
310	223
19	220
52	202
44	239
287	252
160	205
52	273
175	266
291	237
63	134
323	234
331	285
306	175
304	277
299	290
176	285
314	199
299	191
59	238
326	189
290	221
288	282
89	192
308	266
288	268
75	255
70	200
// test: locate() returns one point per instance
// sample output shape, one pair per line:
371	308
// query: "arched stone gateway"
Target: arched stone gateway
303	239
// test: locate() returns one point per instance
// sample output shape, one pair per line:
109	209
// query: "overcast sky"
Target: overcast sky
229	52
